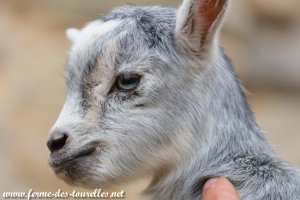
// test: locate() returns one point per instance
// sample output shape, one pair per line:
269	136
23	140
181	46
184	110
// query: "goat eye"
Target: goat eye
128	82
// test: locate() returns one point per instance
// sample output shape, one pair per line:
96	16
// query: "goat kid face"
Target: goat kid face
129	75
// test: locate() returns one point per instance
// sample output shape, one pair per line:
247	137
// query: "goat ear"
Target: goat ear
198	21
72	34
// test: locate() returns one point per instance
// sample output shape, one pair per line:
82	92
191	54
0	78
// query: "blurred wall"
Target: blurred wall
261	37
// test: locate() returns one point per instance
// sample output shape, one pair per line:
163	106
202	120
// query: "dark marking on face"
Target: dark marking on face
156	24
122	97
88	83
152	34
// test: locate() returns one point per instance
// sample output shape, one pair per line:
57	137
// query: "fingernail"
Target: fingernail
210	182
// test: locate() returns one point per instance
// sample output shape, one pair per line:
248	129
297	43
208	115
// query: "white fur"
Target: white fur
92	32
182	15
68	115
72	34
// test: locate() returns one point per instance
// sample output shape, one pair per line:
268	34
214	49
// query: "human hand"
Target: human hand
219	189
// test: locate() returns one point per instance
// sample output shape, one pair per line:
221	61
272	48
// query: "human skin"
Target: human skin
219	189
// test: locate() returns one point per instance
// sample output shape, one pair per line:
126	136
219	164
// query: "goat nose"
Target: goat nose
57	142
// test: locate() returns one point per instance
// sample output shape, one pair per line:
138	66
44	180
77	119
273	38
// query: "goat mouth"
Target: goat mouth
58	161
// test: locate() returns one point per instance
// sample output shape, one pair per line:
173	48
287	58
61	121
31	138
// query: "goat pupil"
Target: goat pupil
128	82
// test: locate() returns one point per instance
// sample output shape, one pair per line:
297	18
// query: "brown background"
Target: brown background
262	38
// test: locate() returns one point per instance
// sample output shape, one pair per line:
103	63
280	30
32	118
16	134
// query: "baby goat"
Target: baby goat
151	91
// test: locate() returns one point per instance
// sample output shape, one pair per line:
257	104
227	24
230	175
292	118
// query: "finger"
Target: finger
219	189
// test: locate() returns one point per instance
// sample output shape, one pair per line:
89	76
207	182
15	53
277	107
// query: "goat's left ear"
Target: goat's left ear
198	21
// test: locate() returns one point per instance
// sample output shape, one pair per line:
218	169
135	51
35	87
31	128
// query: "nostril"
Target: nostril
57	143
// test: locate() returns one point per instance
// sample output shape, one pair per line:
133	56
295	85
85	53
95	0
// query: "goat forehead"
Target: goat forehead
90	40
97	38
114	40
155	23
94	30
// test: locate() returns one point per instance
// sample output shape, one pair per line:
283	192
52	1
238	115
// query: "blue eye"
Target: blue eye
128	82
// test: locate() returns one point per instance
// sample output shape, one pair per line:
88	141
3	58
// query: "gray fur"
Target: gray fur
187	121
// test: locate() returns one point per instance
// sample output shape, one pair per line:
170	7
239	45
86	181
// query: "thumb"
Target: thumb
219	189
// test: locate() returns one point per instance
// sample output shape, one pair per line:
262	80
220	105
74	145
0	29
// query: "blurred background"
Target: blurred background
261	37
